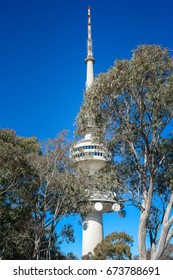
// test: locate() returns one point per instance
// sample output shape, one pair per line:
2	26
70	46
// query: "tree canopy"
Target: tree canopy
17	190
115	246
132	108
38	186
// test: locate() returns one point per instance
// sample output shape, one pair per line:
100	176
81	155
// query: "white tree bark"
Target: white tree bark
166	232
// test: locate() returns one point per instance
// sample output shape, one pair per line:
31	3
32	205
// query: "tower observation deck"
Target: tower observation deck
87	152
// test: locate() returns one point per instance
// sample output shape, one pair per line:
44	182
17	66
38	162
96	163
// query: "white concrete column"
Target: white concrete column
90	73
92	231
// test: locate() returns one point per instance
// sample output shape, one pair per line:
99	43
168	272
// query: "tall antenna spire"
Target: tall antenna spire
89	60
89	45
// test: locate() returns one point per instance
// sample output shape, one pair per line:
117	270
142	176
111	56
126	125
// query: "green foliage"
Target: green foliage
115	246
15	234
37	187
17	188
14	163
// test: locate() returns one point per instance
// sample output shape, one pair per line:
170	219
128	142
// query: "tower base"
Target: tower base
92	232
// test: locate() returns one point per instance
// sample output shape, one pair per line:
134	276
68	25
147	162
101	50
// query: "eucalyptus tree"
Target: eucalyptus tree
60	193
132	108
38	186
115	246
17	188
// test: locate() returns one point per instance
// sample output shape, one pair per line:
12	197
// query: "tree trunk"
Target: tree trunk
145	211
142	237
166	232
36	253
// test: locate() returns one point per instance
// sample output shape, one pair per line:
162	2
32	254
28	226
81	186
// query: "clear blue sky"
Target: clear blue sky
42	69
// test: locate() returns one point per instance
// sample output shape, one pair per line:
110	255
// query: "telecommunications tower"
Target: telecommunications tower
88	153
